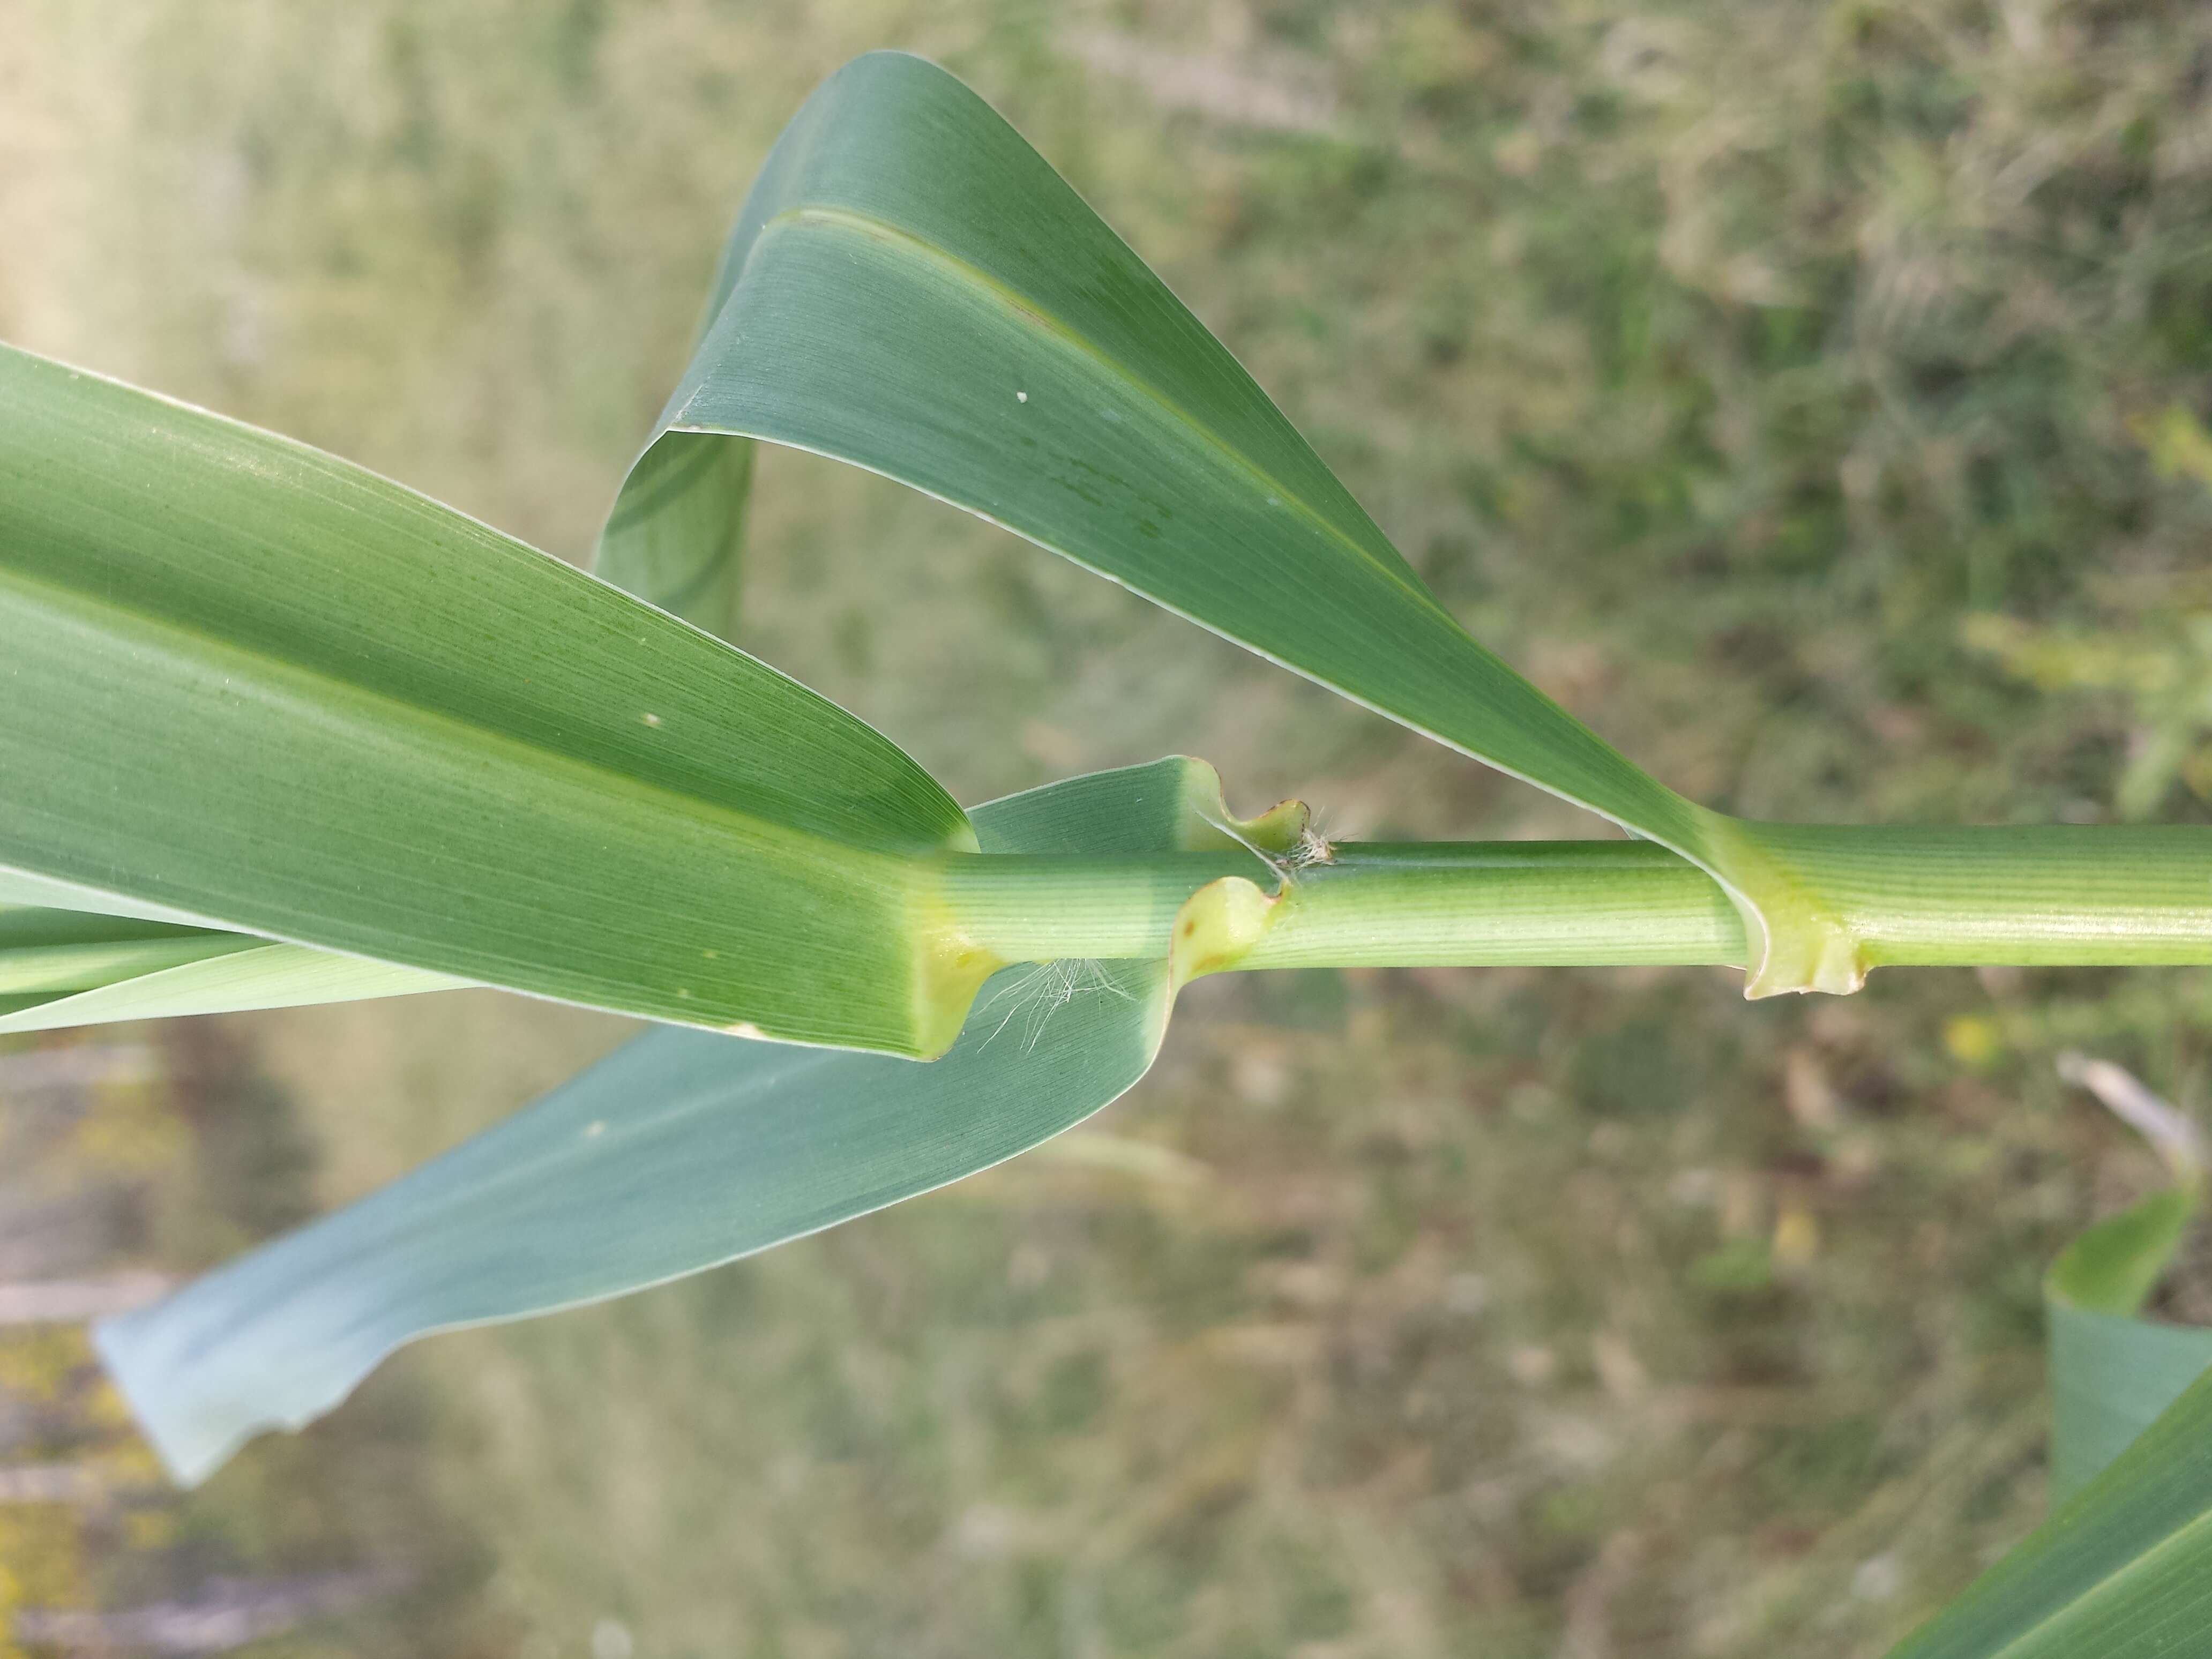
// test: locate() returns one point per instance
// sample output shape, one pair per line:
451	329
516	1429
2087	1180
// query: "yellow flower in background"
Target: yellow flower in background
1973	1039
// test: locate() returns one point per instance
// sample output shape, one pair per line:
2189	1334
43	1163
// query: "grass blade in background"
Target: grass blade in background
911	288
2112	1372
2111	1376
254	686
2122	1570
680	1150
2124	1566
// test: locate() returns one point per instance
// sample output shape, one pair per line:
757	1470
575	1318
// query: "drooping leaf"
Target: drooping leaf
681	1149
252	687
911	288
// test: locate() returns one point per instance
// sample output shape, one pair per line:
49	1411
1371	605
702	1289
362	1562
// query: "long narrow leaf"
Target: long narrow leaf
250	685
66	967
2122	1571
912	288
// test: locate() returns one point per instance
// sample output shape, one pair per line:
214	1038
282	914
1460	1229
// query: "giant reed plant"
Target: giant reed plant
279	731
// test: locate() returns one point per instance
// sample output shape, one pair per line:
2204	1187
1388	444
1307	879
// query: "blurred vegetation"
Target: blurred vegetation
1813	396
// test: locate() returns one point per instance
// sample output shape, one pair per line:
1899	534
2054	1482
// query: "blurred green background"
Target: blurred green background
1811	396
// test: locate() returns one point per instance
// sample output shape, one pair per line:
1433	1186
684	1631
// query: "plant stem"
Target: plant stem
1996	897
1563	903
2026	896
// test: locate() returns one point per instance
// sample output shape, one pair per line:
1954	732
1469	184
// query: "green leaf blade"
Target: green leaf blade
59	952
2123	1571
2113	1267
256	974
2112	1373
2111	1378
911	289
254	686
